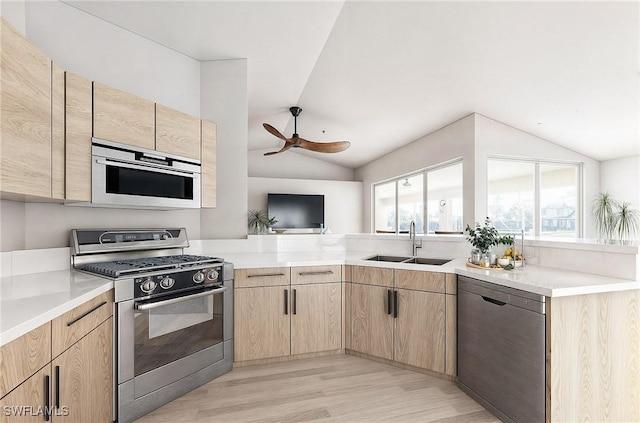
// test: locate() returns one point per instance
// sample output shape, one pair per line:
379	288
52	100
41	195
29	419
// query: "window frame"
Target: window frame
537	212
397	180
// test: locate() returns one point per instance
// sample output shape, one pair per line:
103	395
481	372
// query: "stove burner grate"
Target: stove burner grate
119	268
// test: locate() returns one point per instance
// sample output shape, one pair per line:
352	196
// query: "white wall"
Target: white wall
621	178
343	205
493	138
292	165
448	143
100	51
14	13
224	100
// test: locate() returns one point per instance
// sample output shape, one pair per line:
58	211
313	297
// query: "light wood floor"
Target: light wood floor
338	388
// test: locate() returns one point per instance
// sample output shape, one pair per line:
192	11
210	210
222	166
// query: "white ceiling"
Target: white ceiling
382	74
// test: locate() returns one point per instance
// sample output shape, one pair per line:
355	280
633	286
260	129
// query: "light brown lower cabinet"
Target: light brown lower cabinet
82	378
261	323
29	401
316	317
419	333
403	316
77	384
285	311
372	320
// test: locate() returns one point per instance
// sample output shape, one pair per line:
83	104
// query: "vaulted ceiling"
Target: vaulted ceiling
384	73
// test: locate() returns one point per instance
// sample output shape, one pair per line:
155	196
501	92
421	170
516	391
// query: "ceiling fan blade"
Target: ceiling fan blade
287	146
273	131
324	147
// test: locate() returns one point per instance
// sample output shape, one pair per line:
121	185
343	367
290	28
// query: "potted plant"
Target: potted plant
482	238
612	218
259	222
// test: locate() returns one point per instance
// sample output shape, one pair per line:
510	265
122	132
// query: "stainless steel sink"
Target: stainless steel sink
394	259
429	261
411	260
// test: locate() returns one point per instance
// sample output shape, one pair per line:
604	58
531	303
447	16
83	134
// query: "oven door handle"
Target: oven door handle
147	167
149	306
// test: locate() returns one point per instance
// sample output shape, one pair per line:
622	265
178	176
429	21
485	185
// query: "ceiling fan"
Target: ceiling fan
297	142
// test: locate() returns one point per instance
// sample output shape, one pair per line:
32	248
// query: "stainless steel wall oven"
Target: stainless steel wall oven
174	313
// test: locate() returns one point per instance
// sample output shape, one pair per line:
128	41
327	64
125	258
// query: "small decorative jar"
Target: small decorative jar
475	256
485	259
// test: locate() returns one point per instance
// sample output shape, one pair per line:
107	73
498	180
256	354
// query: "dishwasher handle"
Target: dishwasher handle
492	301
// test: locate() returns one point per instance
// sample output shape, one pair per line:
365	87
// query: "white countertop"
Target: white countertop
29	301
536	279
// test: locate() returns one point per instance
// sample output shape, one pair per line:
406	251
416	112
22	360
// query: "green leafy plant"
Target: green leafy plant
259	221
626	221
486	236
614	219
603	214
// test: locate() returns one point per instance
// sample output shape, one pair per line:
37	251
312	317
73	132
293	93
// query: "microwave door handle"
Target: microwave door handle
149	306
147	168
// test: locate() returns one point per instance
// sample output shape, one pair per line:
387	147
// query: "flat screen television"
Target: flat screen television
296	211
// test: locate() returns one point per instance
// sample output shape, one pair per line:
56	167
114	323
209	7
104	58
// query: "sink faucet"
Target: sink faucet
415	243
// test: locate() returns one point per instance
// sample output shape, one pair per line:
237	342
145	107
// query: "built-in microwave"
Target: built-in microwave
133	177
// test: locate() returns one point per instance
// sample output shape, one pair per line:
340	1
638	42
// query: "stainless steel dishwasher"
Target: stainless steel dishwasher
501	349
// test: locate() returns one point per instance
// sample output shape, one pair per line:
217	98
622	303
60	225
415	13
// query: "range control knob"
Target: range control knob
148	285
198	277
212	275
167	282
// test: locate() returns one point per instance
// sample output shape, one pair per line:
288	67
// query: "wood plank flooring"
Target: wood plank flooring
338	388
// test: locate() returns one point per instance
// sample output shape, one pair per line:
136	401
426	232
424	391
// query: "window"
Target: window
402	200
540	197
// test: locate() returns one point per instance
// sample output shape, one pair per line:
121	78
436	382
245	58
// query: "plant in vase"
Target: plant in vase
260	222
482	238
613	218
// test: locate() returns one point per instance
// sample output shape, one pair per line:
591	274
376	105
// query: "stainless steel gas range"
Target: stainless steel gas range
174	313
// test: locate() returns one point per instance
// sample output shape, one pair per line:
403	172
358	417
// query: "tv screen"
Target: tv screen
294	211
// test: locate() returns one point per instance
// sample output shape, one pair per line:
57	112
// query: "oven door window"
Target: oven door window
122	180
168	333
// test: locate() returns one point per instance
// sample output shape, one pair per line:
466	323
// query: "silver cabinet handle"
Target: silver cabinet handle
149	306
327	272
265	275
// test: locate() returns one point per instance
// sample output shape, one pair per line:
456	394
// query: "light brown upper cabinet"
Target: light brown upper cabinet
25	118
177	133
208	155
57	132
122	117
78	127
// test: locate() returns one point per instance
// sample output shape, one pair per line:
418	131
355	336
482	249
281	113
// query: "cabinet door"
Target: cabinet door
25	117
177	133
261	323
371	321
23	356
316	318
57	132
85	383
122	117
420	330
208	159
30	400
78	128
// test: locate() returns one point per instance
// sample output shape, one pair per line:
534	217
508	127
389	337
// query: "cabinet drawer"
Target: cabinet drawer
372	275
22	357
316	274
262	276
73	325
420	281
